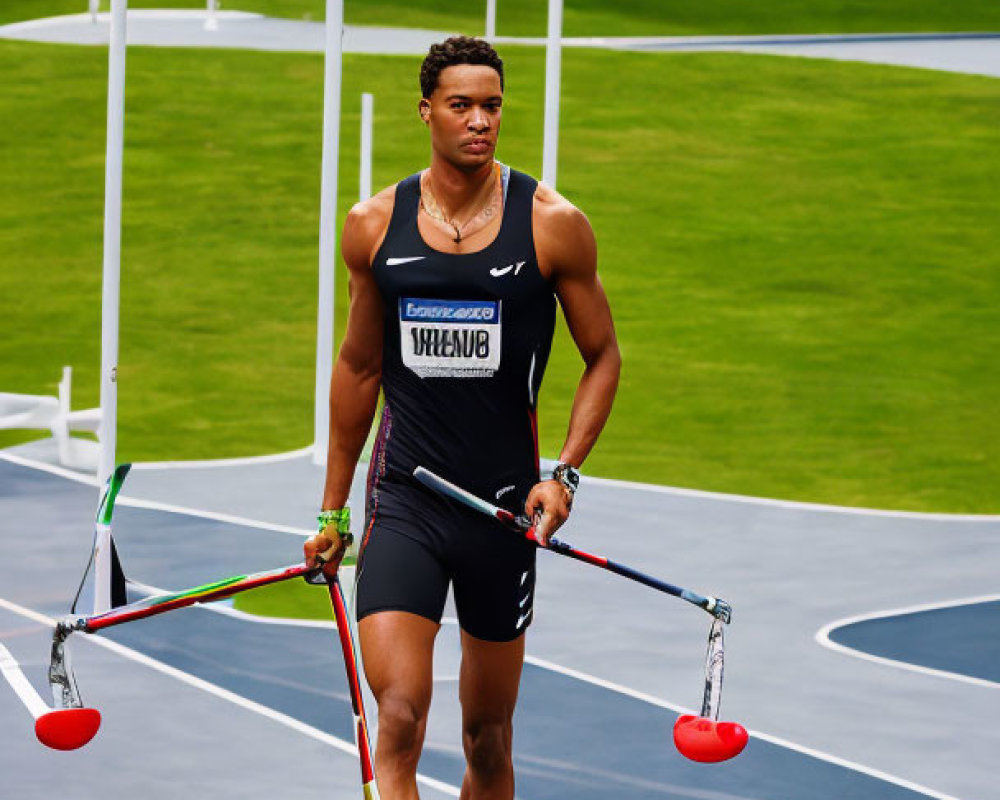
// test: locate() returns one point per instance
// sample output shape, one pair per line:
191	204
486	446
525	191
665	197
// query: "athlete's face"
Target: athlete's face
463	114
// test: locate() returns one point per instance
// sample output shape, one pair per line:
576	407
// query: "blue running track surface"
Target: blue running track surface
963	639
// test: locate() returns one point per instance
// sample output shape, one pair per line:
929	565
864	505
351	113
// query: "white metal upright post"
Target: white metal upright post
93	7
491	19
327	226
553	68
108	430
211	20
365	179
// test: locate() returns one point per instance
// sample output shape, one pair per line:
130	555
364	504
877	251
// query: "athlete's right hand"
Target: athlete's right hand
548	504
320	549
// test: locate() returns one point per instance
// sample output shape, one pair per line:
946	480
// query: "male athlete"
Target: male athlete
454	277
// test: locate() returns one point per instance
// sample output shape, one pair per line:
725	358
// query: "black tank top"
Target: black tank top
467	338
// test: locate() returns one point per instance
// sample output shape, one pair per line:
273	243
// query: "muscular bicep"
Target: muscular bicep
361	349
579	288
362	345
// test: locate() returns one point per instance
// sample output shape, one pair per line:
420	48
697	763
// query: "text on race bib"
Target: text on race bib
450	338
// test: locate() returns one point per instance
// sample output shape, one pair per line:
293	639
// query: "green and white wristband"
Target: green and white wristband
339	518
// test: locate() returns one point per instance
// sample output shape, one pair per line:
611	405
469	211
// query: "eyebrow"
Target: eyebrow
467	97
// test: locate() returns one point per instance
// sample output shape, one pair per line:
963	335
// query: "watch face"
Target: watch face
567	475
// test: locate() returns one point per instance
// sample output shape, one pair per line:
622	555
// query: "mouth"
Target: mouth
477	145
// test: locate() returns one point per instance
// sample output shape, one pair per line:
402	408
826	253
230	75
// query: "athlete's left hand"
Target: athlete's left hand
319	550
548	504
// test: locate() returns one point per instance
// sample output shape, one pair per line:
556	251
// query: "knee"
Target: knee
401	725
488	748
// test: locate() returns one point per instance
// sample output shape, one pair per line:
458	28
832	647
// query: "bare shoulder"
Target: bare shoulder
564	239
552	210
365	227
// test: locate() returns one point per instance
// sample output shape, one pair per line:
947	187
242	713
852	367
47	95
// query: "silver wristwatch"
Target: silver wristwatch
568	476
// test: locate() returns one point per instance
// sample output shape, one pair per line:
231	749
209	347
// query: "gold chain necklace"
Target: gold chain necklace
487	212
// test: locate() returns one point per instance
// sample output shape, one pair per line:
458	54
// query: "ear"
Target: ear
425	110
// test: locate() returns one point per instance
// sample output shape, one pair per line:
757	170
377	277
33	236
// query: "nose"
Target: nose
478	120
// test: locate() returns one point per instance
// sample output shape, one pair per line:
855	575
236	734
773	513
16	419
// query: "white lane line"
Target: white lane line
152	505
223	694
271	458
789	504
19	683
822	637
52	469
809	751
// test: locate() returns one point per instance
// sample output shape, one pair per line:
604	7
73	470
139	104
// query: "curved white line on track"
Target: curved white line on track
790	504
809	751
822	637
52	469
270	458
224	694
152	505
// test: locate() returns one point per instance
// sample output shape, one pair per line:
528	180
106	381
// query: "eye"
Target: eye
458	105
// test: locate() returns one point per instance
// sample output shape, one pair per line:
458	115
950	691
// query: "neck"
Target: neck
456	190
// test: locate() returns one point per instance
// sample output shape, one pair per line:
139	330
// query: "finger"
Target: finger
329	554
315	546
532	505
542	526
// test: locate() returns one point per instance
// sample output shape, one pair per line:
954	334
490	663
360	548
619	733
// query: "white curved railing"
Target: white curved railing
41	412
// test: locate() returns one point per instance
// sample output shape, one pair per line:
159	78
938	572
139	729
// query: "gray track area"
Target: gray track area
977	53
788	570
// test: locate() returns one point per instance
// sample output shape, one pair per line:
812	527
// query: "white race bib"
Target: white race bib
450	338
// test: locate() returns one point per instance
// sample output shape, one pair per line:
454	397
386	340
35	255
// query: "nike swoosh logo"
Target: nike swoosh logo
498	272
392	262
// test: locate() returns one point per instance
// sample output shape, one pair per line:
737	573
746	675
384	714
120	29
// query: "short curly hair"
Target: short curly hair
456	50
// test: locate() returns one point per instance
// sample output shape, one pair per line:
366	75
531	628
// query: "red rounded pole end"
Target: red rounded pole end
67	728
706	741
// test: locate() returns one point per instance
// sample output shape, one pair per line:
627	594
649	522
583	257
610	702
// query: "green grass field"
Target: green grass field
291	599
801	257
600	17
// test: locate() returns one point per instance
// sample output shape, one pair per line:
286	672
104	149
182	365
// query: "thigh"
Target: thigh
489	680
397	649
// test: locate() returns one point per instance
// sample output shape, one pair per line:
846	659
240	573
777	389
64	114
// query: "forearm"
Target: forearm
592	405
353	400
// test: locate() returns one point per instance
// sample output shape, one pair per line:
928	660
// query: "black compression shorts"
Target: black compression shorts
416	542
